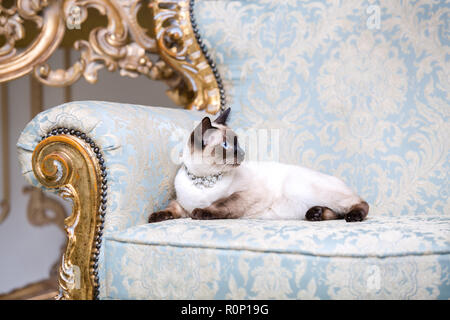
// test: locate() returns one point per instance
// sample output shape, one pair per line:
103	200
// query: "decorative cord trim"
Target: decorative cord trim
103	199
207	55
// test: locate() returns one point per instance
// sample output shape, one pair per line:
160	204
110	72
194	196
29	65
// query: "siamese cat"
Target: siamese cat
215	183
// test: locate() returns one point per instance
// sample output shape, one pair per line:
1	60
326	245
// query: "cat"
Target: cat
215	183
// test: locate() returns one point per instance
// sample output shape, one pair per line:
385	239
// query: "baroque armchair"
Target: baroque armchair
353	89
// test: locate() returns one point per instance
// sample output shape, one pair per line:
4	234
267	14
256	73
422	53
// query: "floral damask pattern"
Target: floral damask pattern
383	258
343	91
379	236
395	278
199	273
362	104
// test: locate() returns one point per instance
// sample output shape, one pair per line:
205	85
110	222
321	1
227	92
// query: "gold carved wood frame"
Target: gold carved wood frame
168	48
69	164
165	49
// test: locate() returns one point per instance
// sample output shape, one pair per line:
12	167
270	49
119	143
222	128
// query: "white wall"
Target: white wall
27	252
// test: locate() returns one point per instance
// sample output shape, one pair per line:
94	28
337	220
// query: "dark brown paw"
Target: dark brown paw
358	212
315	214
202	214
354	216
160	216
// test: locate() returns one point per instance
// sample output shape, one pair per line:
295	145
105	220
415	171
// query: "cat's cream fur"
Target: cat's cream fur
263	190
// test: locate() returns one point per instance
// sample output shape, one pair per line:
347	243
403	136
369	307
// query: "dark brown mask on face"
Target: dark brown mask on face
217	143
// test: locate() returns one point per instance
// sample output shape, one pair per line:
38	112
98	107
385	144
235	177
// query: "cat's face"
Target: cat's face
215	145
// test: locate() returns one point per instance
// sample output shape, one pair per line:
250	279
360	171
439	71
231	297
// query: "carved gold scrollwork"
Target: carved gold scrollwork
67	164
123	45
179	48
13	64
109	47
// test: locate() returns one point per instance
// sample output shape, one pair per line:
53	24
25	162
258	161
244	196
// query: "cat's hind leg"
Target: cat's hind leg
318	213
173	211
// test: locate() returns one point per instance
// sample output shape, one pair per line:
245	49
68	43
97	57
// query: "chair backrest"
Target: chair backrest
356	89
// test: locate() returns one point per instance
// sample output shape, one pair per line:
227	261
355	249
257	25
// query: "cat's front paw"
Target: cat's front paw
160	216
202	214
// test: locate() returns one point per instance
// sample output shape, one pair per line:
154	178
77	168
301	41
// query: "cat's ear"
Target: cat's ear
199	131
223	117
206	124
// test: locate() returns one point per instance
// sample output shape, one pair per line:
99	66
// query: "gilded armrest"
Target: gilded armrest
116	162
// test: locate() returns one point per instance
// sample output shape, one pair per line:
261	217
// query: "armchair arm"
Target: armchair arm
116	162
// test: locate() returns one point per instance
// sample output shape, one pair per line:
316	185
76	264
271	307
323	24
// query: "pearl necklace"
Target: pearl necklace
204	181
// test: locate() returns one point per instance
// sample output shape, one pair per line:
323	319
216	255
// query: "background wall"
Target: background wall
28	252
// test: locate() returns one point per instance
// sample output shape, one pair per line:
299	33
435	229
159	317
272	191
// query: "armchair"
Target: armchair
365	103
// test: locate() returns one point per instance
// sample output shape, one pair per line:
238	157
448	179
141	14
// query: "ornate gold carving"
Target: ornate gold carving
68	164
14	64
122	45
5	205
179	48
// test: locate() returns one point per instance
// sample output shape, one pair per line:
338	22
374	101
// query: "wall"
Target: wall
27	252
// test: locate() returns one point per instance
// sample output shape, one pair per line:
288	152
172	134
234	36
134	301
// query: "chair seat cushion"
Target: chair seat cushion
404	257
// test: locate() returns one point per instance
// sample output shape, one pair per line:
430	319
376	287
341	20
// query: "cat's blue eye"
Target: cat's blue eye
225	145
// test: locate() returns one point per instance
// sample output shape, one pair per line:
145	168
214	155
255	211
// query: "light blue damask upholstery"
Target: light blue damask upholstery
382	258
367	104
